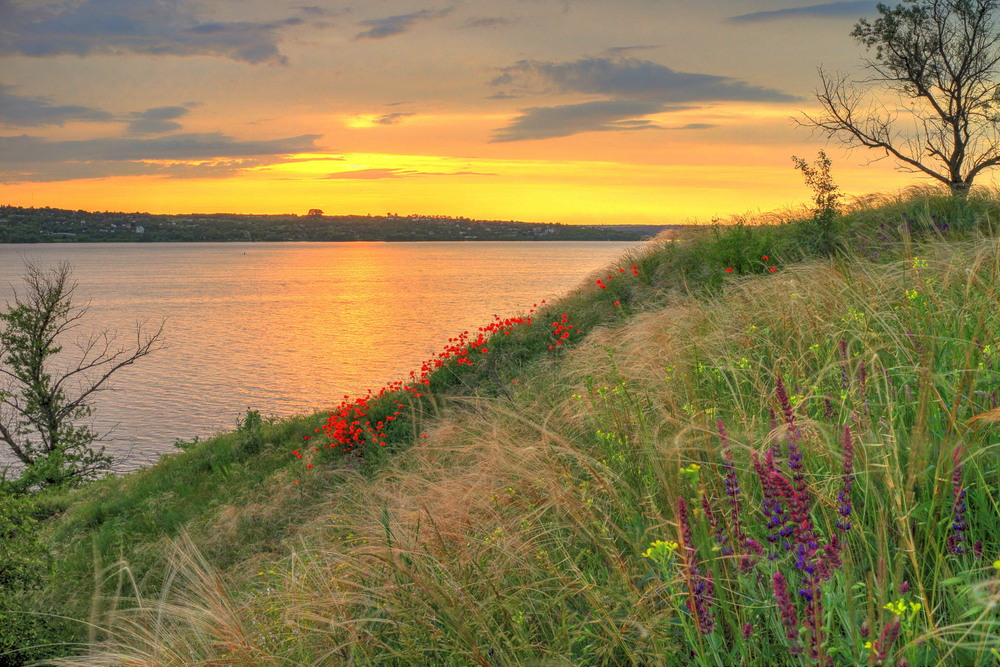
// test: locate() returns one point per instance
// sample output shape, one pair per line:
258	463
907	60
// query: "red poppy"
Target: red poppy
618	303
772	269
729	269
765	258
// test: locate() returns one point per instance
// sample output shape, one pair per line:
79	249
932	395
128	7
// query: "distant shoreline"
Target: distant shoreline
51	225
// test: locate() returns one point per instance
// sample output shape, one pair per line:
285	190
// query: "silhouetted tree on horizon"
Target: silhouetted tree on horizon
940	58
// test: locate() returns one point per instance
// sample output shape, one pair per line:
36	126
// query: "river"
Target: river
285	328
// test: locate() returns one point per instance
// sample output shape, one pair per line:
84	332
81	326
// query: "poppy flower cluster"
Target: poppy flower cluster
562	331
603	282
765	259
350	425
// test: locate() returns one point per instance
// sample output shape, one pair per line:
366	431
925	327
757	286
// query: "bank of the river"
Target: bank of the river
53	225
587	488
283	328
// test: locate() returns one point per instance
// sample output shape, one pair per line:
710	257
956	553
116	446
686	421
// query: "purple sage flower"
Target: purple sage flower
701	588
959	524
885	641
789	619
846	506
732	488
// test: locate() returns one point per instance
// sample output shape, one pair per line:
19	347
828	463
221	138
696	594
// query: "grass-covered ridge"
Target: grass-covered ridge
613	505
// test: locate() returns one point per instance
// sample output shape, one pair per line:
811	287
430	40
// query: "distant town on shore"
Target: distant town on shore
53	225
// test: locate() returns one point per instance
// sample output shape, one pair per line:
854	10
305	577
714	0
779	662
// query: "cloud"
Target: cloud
149	27
36	111
620	50
489	22
631	78
37	159
826	10
396	25
598	116
68	171
313	10
158	120
380	173
392	118
635	88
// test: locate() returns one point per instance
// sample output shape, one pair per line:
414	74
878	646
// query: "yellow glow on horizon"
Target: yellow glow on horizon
538	190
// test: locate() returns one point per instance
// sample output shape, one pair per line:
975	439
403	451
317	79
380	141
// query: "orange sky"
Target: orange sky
576	111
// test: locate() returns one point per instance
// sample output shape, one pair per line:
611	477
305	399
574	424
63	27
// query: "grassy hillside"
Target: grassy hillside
728	450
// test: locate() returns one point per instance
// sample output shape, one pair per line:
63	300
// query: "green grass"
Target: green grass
515	532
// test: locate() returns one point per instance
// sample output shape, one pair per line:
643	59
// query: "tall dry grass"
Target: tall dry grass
516	532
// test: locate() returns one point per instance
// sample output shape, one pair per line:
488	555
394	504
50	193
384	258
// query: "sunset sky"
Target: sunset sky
575	111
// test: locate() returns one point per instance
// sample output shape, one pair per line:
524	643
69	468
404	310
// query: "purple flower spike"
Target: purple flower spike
771	507
847	482
959	524
794	437
789	619
732	488
889	634
701	588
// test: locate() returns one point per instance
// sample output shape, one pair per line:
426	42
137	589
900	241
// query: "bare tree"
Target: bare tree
42	402
940	59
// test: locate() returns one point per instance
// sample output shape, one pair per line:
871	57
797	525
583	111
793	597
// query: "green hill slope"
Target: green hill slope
726	450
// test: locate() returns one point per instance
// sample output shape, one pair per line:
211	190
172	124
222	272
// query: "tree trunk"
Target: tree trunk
960	189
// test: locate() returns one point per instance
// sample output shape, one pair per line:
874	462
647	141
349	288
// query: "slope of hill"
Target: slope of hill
725	450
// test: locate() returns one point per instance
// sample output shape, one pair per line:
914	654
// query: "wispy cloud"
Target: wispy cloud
631	78
397	25
158	120
392	118
489	22
149	27
25	111
600	116
28	158
622	50
384	172
850	9
636	89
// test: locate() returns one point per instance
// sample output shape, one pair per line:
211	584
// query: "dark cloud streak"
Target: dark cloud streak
853	9
631	78
28	158
149	27
635	88
489	22
397	25
600	116
385	172
158	120
37	111
393	118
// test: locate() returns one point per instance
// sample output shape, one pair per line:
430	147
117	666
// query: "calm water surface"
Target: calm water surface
287	328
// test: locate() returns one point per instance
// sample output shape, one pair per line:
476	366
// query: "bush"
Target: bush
25	636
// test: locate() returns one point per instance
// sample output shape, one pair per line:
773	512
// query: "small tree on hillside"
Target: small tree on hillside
826	199
940	60
42	401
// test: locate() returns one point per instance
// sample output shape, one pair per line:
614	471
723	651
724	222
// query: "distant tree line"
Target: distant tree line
51	225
